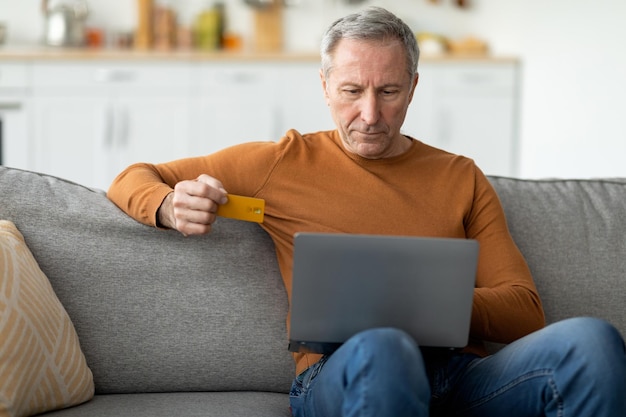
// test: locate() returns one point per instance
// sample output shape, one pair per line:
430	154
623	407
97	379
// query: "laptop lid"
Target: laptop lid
345	283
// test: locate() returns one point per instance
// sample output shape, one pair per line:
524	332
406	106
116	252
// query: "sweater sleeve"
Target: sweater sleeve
140	189
506	302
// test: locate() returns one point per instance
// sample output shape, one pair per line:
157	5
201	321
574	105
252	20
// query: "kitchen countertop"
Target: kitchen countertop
36	53
55	53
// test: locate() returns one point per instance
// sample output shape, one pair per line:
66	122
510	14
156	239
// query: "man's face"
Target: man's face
368	91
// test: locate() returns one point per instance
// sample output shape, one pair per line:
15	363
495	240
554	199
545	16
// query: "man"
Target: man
366	177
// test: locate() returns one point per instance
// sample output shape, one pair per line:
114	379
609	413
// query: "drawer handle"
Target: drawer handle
114	76
240	78
474	78
10	105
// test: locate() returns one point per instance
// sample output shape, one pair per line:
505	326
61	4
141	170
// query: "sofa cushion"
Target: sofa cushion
42	366
155	311
573	235
189	404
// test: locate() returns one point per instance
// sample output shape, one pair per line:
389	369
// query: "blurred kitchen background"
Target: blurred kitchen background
570	60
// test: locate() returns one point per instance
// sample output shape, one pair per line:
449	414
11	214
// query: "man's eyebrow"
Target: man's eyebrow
392	85
381	87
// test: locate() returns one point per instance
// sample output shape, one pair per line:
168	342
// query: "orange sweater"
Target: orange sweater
310	183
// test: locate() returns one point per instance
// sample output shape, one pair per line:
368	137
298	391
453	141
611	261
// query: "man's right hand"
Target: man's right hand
191	207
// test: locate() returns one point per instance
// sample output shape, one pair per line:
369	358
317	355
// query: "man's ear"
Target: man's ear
414	84
324	86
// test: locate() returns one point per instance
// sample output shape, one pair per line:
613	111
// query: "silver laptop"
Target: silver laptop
344	283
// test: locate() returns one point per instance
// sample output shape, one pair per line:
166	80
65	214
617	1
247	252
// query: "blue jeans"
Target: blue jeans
573	368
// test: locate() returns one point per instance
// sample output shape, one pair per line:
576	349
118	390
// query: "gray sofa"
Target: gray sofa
196	326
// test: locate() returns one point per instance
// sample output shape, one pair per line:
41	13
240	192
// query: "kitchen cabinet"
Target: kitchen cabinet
303	105
91	120
234	103
87	119
242	102
469	108
14	109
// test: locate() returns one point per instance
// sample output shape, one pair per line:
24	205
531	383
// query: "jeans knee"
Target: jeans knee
387	351
388	342
388	368
592	340
591	333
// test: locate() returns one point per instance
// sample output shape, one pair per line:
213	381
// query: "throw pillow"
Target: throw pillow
42	367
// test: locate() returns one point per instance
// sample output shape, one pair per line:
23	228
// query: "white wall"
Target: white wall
573	84
572	53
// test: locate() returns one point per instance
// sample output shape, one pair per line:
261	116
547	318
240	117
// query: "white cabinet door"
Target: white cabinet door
420	118
94	119
14	113
242	102
303	106
468	109
71	137
91	140
235	103
480	128
147	129
14	131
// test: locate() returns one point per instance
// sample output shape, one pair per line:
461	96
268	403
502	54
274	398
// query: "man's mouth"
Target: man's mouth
368	134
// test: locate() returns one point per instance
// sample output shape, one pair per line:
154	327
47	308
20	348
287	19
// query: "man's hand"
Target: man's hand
191	207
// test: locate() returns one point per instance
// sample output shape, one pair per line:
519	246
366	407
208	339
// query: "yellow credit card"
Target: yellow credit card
243	208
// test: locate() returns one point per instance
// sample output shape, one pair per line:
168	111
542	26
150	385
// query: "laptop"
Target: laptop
346	283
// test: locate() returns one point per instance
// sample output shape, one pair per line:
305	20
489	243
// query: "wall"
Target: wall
571	51
573	84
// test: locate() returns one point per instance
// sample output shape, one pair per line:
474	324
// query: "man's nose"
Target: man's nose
370	109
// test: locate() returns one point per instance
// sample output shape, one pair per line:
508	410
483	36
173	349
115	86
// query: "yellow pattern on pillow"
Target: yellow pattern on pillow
42	367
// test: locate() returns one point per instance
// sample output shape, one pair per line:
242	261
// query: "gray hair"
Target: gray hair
373	23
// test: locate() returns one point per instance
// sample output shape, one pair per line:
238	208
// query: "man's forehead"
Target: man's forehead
378	62
349	48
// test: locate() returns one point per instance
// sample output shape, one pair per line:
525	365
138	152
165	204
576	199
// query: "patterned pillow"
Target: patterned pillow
42	367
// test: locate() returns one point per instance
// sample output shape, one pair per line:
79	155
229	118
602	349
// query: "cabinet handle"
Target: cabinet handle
240	77
10	105
278	118
477	78
116	126
109	127
445	121
122	124
107	75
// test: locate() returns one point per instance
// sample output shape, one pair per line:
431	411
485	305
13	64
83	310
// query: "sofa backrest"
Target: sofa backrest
156	311
573	236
